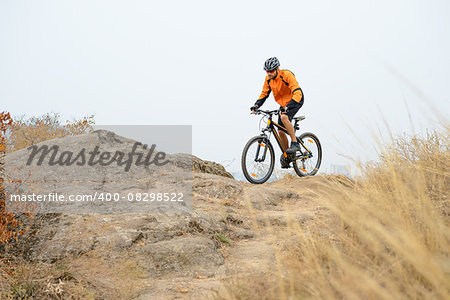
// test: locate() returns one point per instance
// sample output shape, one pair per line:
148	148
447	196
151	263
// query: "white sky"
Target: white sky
200	63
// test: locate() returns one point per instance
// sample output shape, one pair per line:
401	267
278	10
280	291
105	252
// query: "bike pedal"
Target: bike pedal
285	162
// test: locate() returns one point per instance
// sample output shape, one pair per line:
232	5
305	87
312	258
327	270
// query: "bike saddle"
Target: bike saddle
299	118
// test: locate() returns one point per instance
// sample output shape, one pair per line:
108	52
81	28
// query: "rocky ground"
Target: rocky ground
174	255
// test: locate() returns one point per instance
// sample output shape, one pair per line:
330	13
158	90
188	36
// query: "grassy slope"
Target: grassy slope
383	236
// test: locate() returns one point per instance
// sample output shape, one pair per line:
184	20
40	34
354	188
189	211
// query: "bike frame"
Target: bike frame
271	128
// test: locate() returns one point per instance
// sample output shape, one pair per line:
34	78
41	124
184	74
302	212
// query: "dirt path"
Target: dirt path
251	256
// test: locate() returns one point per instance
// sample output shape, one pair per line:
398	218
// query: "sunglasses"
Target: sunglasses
271	71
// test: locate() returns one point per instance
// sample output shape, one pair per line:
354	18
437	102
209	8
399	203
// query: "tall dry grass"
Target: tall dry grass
385	235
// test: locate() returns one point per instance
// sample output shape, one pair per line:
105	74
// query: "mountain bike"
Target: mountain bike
258	156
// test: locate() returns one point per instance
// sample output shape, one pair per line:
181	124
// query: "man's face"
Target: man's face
272	74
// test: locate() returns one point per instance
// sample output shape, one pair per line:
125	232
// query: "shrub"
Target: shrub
24	132
10	226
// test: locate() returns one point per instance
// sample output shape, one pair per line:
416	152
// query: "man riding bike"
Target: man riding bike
289	95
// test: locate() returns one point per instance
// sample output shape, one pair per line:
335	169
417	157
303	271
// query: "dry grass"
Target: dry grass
23	280
384	235
89	276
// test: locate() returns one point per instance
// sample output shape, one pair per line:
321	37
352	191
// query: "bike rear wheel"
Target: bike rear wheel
310	165
258	160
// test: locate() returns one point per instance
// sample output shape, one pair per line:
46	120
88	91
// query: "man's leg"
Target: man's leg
285	142
284	139
289	127
286	120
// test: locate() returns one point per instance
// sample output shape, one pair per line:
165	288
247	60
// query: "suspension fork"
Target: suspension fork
264	144
265	141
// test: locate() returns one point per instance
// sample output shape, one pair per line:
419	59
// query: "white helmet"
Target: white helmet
271	64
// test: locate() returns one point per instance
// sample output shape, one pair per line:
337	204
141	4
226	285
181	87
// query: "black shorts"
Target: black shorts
291	113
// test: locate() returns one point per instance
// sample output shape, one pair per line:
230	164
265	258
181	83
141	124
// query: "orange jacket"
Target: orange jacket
284	88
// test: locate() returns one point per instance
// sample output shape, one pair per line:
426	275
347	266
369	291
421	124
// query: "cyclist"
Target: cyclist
289	95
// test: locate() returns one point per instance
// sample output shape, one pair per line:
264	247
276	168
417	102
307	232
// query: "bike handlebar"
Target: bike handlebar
267	112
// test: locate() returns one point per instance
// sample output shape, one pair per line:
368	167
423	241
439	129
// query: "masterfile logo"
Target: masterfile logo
68	158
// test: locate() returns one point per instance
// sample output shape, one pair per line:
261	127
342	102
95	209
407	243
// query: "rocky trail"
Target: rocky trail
230	233
253	216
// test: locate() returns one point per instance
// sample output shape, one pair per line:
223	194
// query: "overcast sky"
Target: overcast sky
361	65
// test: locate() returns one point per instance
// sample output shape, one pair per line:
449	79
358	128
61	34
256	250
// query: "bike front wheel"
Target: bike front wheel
312	150
258	160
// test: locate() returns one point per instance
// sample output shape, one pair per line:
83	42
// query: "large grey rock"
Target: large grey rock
109	188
